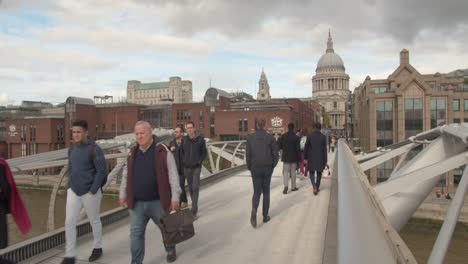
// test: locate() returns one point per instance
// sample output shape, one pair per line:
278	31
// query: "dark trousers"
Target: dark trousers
261	178
183	195
316	179
193	180
3	226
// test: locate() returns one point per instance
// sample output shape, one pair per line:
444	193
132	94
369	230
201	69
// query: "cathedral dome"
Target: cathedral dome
330	60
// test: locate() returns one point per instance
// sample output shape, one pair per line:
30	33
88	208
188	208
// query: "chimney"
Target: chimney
404	57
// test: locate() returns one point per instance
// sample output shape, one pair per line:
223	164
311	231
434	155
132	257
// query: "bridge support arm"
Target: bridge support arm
446	232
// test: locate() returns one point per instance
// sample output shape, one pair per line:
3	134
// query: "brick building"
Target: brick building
228	116
105	121
27	108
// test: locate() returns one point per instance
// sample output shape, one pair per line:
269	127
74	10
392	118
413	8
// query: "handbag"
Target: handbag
177	227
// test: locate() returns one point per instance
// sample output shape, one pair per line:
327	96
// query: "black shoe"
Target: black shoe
68	261
253	218
266	219
294	189
285	190
96	254
171	257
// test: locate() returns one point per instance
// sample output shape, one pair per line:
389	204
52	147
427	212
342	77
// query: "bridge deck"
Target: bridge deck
295	233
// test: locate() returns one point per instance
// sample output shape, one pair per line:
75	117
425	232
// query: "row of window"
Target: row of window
28	149
456	105
413	118
243	125
461	87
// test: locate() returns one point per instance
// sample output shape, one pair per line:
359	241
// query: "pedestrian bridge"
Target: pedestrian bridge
348	222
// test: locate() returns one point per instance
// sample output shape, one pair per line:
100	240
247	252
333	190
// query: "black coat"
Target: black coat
290	144
315	151
178	155
193	151
261	151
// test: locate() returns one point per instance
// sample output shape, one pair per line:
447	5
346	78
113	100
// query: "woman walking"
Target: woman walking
302	166
10	202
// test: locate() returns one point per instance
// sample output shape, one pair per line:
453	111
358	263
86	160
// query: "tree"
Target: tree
326	120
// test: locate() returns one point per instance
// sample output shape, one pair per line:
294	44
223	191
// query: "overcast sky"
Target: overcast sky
52	49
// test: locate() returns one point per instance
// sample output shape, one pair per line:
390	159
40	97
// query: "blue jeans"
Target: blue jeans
141	213
261	178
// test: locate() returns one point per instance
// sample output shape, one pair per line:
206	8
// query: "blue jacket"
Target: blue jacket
85	175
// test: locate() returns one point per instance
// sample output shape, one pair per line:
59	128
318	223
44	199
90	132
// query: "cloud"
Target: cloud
4	98
118	40
91	47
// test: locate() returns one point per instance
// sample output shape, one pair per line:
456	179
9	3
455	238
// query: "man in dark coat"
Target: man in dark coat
315	156
289	143
193	154
262	157
176	149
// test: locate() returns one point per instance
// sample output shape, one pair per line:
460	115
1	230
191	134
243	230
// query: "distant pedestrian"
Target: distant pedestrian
315	156
150	189
87	172
194	153
262	157
10	202
302	166
176	148
333	143
289	144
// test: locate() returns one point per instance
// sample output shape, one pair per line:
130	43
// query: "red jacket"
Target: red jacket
17	209
160	172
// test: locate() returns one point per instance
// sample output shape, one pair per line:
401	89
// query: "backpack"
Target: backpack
91	156
303	142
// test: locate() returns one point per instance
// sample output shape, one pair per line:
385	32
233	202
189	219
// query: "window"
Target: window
413	116
465	120
200	120
23	149
60	132
23	133
240	125
384	123
335	104
378	90
246	123
32	148
456	105
456	120
465	105
438	112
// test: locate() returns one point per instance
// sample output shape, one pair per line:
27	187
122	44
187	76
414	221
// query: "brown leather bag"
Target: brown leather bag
177	227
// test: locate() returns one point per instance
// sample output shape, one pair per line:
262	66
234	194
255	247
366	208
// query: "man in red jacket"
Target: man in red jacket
150	188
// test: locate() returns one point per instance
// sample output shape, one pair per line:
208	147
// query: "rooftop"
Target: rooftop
154	85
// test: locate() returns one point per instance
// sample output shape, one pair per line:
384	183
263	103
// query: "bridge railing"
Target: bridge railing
363	233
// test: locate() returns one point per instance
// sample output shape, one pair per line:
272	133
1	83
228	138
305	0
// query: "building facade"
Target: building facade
228	116
330	87
388	111
175	90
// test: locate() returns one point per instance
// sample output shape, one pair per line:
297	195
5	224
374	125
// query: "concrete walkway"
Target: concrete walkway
295	233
